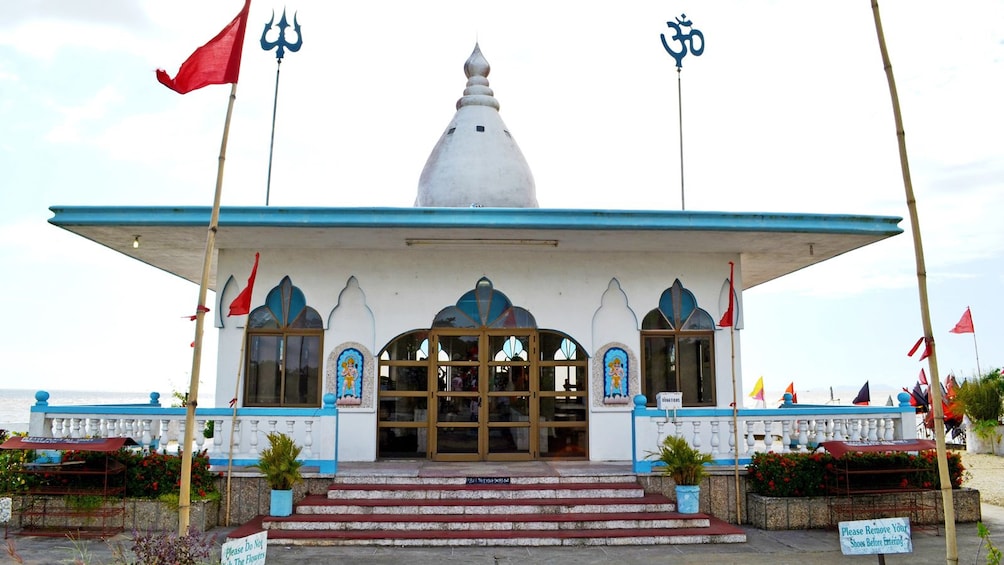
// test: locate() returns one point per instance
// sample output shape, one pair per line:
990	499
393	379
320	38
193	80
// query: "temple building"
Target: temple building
477	326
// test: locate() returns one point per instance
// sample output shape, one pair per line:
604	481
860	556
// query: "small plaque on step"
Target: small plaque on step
489	480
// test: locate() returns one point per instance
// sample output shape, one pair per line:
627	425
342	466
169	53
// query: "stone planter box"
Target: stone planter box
798	513
139	515
993	445
143	515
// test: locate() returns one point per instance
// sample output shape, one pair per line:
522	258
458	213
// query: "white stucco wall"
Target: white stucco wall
399	291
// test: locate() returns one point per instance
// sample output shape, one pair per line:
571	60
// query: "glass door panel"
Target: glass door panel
458	424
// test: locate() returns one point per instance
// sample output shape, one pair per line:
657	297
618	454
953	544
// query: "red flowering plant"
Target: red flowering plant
155	475
788	474
816	474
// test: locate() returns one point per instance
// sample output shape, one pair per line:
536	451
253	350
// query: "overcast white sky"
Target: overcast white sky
787	110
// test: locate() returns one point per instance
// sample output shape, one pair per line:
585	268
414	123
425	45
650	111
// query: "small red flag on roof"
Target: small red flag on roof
728	318
242	304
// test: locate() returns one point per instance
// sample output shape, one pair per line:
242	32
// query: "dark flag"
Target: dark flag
920	397
864	396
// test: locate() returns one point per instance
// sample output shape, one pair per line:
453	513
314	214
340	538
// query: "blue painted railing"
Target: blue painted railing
161	429
792	427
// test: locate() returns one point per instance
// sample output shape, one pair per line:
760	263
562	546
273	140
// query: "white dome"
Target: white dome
476	161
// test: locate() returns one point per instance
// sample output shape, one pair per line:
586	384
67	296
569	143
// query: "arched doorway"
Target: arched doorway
484	384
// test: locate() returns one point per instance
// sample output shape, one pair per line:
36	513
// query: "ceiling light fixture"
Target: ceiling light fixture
480	242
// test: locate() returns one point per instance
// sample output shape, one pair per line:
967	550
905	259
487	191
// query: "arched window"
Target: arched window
676	346
284	339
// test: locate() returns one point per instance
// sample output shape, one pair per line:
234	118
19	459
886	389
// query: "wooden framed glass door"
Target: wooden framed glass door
484	397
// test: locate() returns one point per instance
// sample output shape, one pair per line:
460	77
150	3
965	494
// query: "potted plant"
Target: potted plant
983	404
278	462
685	465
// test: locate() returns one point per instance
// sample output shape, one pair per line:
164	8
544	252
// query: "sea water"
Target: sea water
15	404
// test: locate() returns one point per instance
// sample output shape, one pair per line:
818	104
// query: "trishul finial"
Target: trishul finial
281	41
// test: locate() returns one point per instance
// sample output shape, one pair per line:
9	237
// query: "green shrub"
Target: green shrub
11	462
981	399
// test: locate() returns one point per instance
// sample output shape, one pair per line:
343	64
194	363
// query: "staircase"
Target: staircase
479	510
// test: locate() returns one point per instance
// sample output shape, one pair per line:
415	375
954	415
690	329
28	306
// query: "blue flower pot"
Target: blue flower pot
688	498
281	503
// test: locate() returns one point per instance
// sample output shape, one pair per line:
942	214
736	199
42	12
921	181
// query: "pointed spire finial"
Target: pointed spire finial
477	92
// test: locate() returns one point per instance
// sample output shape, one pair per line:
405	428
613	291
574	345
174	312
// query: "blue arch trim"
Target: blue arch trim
484	306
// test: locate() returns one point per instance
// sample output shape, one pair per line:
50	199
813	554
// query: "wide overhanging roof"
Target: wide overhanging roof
770	245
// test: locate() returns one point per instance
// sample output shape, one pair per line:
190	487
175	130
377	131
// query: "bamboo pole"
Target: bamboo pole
233	421
184	494
735	416
951	544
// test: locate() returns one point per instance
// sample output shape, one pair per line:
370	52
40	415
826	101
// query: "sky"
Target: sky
786	110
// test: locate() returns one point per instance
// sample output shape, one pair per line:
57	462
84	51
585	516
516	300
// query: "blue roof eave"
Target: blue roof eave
499	218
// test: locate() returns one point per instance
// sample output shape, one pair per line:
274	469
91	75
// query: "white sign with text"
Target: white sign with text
865	537
669	400
248	550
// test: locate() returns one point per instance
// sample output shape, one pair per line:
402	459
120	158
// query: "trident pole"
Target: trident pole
281	44
951	544
271	143
184	494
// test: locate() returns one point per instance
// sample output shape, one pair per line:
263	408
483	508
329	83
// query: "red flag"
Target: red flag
216	62
729	317
864	396
791	390
242	304
916	346
923	377
965	325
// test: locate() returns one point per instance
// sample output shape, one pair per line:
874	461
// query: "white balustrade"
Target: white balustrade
164	428
715	448
308	440
783	430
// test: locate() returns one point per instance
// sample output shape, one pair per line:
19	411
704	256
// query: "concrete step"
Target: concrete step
322	504
369	479
520	511
488	522
716	532
483	492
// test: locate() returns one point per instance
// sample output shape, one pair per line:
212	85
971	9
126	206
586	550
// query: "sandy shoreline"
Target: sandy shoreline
985	474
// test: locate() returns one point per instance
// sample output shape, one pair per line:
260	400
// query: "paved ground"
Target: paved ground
802	547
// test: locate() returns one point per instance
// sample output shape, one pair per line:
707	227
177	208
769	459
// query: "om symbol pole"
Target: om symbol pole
695	39
282	43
